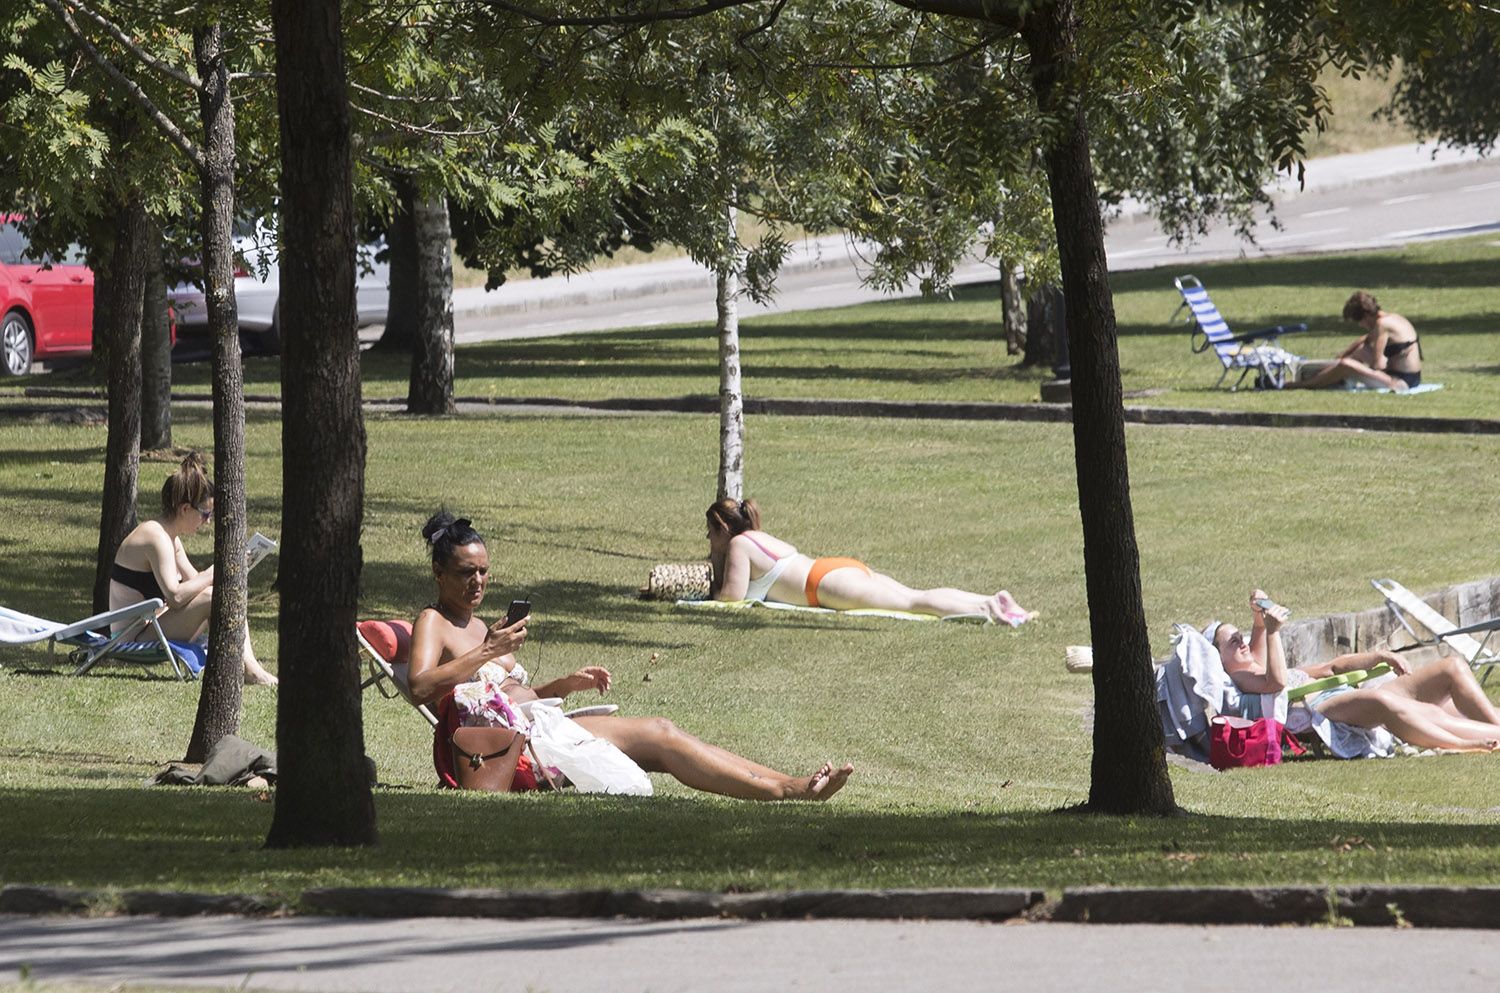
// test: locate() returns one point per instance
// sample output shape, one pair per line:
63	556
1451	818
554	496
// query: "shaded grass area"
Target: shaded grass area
965	738
952	349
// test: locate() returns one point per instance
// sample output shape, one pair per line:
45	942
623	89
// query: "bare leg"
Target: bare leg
658	745
189	622
1449	680
851	589
1349	369
1422	724
255	673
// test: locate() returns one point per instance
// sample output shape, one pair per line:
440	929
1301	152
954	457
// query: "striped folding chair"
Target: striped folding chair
1253	351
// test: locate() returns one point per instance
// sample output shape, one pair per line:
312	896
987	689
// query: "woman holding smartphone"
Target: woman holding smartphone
1440	705
450	645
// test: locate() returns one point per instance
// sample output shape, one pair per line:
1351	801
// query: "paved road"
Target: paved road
566	956
1369	200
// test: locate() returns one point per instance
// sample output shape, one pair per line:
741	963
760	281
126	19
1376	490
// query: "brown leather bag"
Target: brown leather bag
485	758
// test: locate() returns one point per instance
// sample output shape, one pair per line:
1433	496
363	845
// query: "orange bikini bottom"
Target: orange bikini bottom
821	568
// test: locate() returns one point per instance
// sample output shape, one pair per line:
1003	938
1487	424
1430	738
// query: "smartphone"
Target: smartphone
518	609
1266	603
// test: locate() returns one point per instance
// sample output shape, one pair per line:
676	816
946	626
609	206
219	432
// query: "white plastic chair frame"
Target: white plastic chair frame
1403	602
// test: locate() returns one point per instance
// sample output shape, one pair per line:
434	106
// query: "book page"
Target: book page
256	549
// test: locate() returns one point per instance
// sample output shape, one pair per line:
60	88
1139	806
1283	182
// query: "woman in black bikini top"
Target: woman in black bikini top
151	563
1388	355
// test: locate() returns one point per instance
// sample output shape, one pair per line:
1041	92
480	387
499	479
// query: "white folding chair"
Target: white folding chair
89	648
1406	604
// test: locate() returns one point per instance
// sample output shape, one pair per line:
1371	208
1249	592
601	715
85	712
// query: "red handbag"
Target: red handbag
1237	743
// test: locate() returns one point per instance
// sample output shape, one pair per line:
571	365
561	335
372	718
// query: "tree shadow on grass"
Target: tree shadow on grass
210	839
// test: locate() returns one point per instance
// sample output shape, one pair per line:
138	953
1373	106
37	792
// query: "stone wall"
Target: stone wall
1318	639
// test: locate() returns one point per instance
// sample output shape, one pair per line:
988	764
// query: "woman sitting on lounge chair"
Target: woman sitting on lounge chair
1388	355
1437	706
151	563
449	645
749	564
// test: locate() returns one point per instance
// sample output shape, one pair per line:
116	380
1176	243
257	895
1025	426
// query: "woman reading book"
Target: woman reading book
151	563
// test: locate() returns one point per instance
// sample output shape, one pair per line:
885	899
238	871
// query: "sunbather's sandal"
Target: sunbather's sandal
594	710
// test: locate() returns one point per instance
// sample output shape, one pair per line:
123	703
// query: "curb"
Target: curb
1055	413
1363	906
1401	906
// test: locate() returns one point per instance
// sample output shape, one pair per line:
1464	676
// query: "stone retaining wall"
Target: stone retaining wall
1318	639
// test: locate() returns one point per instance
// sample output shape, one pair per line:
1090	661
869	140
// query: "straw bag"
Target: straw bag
485	758
678	581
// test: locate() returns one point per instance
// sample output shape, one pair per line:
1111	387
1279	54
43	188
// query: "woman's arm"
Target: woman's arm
1265	633
736	582
429	677
1355	661
589	677
177	589
1377	346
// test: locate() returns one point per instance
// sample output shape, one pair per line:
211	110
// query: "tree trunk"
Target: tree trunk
156	349
1040	348
403	311
1129	772
431	387
322	794
223	681
731	398
117	325
1012	308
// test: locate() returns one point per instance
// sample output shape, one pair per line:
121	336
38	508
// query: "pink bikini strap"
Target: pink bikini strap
774	557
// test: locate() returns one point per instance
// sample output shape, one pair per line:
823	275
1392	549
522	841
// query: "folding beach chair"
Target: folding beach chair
388	663
1253	351
1407	607
88	649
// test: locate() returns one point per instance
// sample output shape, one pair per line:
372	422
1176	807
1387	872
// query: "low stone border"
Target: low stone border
958	904
1366	906
1371	906
1053	413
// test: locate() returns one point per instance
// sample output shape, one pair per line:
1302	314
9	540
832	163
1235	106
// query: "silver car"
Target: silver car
257	289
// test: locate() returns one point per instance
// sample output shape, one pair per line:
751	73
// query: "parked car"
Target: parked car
257	289
46	305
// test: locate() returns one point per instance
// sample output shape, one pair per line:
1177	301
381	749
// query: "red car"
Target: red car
44	309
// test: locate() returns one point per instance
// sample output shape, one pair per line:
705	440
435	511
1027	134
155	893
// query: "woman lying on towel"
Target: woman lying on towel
749	564
151	563
450	645
1440	705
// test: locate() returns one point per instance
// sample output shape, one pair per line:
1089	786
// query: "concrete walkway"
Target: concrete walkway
620	956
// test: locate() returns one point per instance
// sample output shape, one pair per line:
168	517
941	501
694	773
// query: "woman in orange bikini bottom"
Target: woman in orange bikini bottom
750	564
822	567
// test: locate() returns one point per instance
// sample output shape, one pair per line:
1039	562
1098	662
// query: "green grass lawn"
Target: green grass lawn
966	739
952	349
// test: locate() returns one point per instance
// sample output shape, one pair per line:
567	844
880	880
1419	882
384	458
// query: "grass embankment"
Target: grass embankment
965	738
952	349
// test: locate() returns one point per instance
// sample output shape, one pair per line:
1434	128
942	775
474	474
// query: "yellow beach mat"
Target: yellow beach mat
900	615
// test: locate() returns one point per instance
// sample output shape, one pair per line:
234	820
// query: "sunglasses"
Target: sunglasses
206	513
1235	641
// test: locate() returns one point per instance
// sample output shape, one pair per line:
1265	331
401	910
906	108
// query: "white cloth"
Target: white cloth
591	764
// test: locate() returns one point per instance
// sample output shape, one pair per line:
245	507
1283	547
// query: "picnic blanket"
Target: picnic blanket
899	615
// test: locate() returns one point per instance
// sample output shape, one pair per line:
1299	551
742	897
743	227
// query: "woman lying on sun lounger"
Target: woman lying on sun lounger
749	564
1437	706
151	563
1389	354
450	645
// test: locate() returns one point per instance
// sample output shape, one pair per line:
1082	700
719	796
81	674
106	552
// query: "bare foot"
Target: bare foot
1005	610
256	675
822	784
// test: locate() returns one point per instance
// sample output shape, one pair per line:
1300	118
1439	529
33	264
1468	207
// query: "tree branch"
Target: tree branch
1001	13
161	120
608	20
400	98
428	129
978	46
111	29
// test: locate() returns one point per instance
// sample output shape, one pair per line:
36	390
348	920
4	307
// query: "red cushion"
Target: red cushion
392	639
